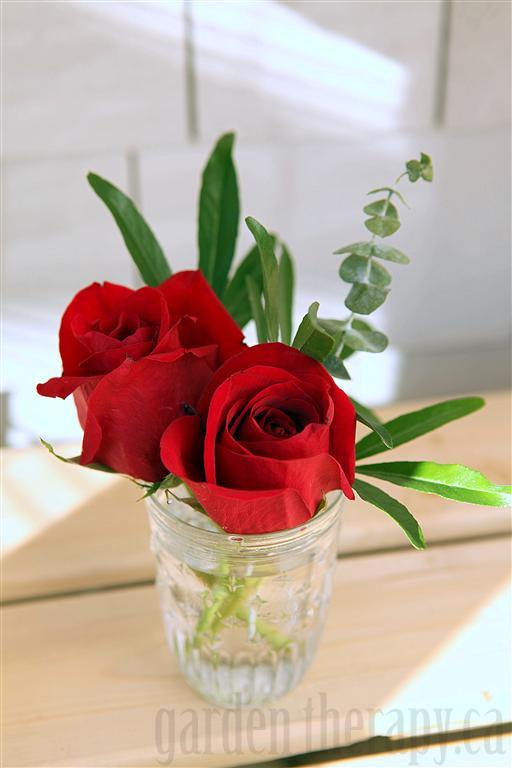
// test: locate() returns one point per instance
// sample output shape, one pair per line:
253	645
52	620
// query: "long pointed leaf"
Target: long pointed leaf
235	297
394	509
368	417
286	288
219	211
270	271
142	244
452	481
257	311
412	425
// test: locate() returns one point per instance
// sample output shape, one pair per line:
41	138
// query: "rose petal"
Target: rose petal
131	407
313	439
62	386
181	447
188	293
93	302
251	512
311	477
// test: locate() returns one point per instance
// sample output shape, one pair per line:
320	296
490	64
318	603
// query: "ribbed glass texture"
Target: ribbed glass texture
242	614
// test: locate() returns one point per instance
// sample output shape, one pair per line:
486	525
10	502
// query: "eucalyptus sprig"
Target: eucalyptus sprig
370	280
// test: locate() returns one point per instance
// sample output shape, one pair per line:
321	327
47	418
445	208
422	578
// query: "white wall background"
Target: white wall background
328	99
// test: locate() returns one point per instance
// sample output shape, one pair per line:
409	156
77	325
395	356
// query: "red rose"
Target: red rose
135	360
272	435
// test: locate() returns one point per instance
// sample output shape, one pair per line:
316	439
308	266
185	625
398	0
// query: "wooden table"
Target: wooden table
415	653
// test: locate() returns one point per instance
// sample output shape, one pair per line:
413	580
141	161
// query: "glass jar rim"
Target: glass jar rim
253	542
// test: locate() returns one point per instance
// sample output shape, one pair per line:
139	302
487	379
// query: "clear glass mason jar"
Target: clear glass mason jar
242	614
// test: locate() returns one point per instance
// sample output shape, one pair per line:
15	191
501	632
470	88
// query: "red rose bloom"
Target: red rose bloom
272	435
135	360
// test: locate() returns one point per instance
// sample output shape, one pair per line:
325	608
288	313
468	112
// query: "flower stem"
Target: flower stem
228	602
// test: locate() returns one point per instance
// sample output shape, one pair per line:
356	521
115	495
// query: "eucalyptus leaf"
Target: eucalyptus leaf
360	269
336	367
389	254
361	337
371	420
395	509
219	211
311	338
452	481
382	226
371	249
270	272
409	426
365	299
413	170
286	289
333	327
336	329
142	244
381	208
427	170
420	169
389	190
257	311
235	297
361	249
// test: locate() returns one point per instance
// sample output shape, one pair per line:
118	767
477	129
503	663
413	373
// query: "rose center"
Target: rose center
276	422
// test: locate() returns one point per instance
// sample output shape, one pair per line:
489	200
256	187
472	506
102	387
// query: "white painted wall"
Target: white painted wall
328	99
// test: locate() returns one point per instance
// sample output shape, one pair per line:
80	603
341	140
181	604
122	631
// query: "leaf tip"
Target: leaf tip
228	139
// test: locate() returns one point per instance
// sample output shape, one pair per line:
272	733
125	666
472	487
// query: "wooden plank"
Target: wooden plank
86	529
491	751
86	676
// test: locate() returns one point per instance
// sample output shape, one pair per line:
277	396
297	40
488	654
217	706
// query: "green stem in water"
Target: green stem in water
228	602
278	640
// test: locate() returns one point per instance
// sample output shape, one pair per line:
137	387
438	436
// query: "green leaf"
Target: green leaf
371	420
334	364
409	426
235	297
286	288
365	299
452	481
362	337
336	328
270	271
142	244
170	481
371	249
76	459
391	190
390	254
361	249
381	208
394	509
311	338
413	170
427	170
219	211
382	226
360	269
420	169
257	311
